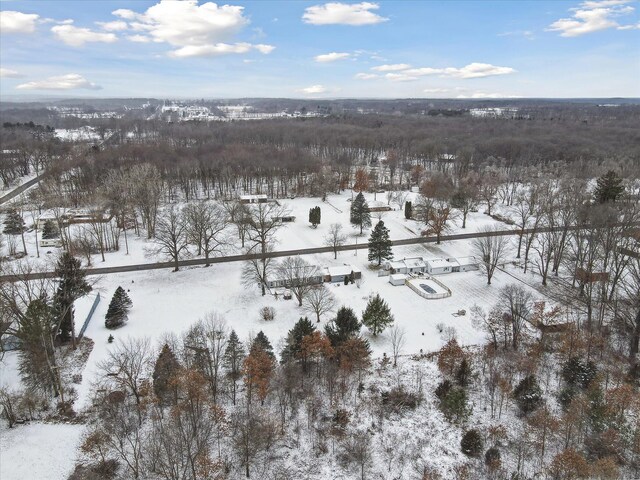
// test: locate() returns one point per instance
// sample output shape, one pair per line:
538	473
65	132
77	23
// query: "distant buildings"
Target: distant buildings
432	266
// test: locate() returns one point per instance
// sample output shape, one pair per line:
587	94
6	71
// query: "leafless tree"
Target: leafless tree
171	238
518	302
335	238
356	449
206	223
397	338
128	365
257	271
490	249
299	276
320	301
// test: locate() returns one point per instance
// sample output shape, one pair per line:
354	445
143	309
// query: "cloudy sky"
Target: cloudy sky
436	49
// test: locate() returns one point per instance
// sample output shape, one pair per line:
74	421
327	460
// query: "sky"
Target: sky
386	49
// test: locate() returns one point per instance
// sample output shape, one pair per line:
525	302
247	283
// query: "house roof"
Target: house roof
342	270
398	276
414	262
437	263
467	261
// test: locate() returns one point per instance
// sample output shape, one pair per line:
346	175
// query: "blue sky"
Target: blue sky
434	49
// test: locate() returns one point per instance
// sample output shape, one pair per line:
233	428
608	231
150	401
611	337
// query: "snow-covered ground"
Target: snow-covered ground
39	451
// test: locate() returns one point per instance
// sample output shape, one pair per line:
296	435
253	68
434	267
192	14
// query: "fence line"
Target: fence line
88	319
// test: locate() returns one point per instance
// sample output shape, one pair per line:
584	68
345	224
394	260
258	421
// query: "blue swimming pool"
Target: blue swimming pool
427	288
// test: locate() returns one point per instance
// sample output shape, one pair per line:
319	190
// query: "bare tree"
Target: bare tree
397	338
256	271
357	450
206	222
320	301
491	249
171	235
299	276
518	302
128	365
335	238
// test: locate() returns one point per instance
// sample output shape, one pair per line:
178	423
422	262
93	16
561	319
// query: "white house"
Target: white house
437	266
415	265
338	274
253	198
397	266
467	264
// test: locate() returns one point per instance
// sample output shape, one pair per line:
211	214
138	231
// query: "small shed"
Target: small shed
437	266
397	279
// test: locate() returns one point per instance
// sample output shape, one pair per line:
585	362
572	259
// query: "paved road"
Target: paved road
14	193
282	253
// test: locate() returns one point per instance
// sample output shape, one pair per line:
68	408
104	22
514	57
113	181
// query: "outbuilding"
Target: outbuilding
397	279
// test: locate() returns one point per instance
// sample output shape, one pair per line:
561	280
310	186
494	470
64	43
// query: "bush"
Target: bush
528	394
492	458
579	373
471	443
398	399
267	313
443	389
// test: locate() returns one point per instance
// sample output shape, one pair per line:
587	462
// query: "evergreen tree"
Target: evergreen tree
314	216
379	244
72	286
463	373
13	223
50	230
408	210
164	374
360	214
262	342
377	316
233	356
301	329
471	443
118	309
609	188
345	326
528	394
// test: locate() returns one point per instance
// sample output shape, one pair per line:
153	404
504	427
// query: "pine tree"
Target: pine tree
164	374
609	188
118	309
262	342
377	316
528	394
471	443
50	230
360	214
345	326
72	286
408	210
301	329
314	216
379	244
233	356
13	223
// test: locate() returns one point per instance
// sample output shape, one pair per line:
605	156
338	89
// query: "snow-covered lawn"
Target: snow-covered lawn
39	451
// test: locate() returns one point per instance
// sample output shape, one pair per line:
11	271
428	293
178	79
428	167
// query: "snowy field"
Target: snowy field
39	451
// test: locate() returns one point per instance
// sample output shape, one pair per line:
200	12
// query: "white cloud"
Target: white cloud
7	73
528	34
78	36
400	77
391	68
195	30
314	90
366	76
17	22
138	38
593	16
331	57
436	90
336	13
115	26
62	82
218	49
473	70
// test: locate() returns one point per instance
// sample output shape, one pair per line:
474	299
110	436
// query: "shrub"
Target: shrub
398	399
471	443
443	389
492	458
579	373
267	313
528	394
